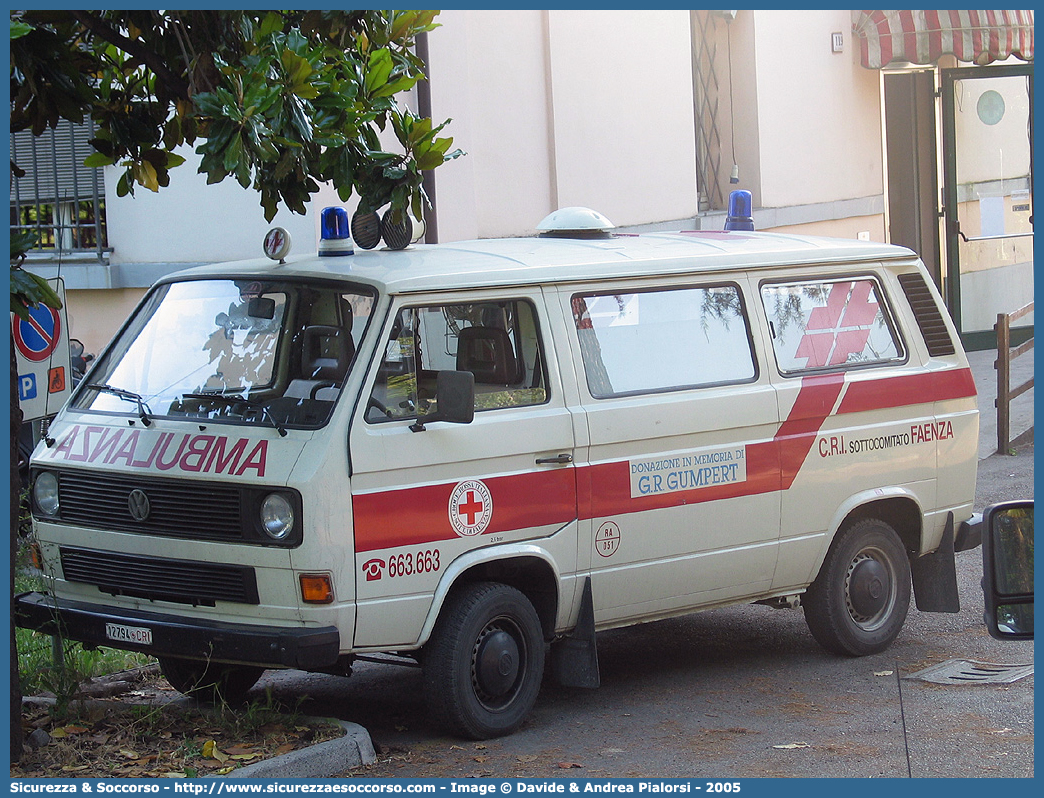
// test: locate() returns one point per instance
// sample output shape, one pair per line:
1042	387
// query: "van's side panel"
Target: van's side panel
681	488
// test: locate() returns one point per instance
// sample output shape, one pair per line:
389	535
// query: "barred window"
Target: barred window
57	197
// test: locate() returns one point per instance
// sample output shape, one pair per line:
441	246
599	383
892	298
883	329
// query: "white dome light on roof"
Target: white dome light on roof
575	222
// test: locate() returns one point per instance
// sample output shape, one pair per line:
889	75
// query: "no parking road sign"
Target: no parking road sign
37	337
41	345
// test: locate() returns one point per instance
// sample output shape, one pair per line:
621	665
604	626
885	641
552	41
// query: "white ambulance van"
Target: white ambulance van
476	455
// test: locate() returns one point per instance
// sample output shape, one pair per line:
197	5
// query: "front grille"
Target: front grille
197	510
159	579
929	319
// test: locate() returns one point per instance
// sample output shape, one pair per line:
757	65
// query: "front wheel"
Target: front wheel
858	602
211	682
484	662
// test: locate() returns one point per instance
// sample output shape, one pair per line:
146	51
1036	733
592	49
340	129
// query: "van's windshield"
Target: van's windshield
271	352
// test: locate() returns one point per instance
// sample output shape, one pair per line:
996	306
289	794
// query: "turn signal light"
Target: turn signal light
316	589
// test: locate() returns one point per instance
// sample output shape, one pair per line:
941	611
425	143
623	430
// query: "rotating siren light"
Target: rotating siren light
575	222
739	217
335	237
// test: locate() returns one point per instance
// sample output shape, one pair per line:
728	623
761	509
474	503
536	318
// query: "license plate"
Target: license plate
138	635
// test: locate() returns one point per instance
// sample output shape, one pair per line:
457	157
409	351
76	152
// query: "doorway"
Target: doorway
988	197
913	186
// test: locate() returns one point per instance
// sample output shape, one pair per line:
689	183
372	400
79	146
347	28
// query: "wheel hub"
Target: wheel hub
867	587
497	663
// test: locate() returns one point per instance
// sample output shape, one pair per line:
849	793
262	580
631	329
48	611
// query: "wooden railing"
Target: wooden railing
1005	393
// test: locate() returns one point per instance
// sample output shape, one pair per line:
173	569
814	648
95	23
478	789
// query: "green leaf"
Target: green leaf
20	29
97	159
378	70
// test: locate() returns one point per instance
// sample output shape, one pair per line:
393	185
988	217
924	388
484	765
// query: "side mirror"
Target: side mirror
1007	569
454	399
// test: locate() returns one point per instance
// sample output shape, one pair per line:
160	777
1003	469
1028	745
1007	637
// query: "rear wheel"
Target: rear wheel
212	682
485	661
858	602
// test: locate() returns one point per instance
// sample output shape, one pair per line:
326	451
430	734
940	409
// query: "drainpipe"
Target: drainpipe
431	217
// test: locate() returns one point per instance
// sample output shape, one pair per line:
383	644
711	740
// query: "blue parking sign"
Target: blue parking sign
26	387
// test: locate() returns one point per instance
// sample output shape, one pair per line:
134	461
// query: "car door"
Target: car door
681	480
424	498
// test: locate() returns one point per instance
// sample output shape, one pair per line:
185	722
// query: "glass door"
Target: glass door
988	184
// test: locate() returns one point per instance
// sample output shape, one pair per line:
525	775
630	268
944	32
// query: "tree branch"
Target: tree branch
99	27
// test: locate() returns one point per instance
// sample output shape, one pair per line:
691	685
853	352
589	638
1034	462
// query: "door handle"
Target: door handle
561	459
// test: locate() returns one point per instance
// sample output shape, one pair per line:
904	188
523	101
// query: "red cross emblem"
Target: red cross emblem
841	328
470	508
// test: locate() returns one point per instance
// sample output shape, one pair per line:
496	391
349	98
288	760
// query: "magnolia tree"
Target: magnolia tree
282	101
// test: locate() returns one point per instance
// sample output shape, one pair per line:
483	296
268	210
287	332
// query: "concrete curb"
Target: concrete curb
316	761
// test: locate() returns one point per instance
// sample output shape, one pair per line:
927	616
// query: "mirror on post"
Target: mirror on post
454	400
1007	564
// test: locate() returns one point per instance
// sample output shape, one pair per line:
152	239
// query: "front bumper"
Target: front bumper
304	648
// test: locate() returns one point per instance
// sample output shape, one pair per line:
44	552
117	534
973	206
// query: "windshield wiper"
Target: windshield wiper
127	396
238	400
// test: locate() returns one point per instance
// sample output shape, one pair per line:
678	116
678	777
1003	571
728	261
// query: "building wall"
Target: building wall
561	108
818	112
191	222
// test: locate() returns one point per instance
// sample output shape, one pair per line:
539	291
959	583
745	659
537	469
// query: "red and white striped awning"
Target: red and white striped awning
921	37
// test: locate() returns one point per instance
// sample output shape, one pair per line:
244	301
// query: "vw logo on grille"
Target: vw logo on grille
138	504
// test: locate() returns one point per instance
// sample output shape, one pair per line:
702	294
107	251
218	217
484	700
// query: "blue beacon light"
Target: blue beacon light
335	237
739	217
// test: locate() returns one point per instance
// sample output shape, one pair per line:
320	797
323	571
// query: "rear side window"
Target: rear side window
825	325
663	340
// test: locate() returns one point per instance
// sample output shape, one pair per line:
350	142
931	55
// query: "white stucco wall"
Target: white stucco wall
560	108
819	112
189	221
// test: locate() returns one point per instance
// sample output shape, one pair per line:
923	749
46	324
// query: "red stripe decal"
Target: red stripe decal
413	516
912	389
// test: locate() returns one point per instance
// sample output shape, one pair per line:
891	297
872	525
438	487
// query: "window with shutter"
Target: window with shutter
57	197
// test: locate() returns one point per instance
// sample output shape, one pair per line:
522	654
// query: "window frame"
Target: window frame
395	312
662	288
885	302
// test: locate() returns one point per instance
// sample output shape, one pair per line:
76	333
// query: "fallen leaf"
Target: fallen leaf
480	747
456	747
244	757
211	751
285	748
883	673
480	758
793	745
71	769
74	729
58	733
225	771
567	765
129	754
174	774
526	757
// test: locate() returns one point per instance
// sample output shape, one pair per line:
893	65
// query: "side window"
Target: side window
496	341
663	340
822	325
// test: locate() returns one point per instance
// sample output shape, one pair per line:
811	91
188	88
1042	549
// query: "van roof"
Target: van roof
536	260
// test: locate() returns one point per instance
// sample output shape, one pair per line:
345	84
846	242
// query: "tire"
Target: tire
858	602
211	682
484	662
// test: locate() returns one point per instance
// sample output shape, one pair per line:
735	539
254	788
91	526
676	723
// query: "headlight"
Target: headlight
277	516
45	492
